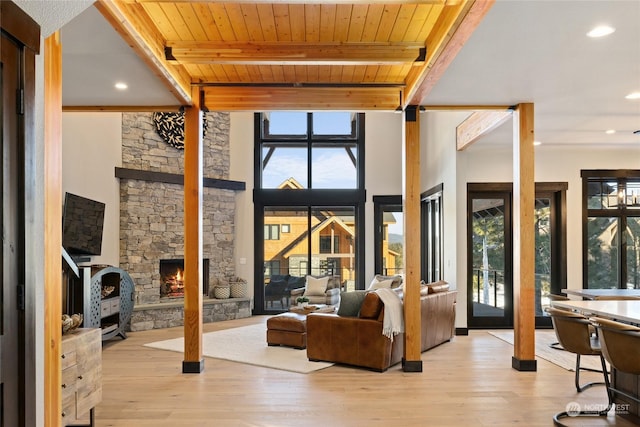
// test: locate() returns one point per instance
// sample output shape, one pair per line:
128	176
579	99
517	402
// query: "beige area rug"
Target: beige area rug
562	358
248	344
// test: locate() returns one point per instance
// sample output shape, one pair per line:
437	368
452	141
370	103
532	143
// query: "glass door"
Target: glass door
490	290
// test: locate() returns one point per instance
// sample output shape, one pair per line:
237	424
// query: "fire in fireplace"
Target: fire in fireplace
172	278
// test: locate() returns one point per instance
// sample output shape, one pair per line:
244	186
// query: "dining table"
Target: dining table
625	311
606	293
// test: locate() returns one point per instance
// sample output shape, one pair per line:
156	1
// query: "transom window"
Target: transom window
309	150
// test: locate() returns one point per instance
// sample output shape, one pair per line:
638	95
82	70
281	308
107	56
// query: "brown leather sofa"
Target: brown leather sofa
359	341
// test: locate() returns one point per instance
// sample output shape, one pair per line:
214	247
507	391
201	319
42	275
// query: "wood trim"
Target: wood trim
478	124
412	265
523	237
20	25
292	53
131	22
122	108
443	45
174	178
193	163
52	230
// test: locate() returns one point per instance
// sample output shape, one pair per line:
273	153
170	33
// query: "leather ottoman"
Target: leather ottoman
288	329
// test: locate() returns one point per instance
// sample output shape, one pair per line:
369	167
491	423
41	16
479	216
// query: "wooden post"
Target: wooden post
523	239
193	361
411	206
52	230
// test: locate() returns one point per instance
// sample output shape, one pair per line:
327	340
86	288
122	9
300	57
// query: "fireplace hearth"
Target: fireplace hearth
172	278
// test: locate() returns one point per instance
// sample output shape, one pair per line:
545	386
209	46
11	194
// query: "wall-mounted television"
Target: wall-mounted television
82	223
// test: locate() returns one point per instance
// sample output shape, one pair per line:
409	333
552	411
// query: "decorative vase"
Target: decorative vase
221	292
239	289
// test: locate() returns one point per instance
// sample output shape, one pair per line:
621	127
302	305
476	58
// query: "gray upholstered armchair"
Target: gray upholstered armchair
319	290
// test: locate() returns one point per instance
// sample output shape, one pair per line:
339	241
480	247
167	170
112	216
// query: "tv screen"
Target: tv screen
82	222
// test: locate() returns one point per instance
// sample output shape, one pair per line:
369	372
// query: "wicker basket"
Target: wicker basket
239	289
221	292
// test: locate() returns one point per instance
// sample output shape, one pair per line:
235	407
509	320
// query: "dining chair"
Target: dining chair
574	334
621	348
555	297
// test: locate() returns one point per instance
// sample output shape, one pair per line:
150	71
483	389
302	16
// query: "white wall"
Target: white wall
91	149
383	171
241	169
439	166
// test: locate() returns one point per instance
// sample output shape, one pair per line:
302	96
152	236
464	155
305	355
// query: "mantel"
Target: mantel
173	178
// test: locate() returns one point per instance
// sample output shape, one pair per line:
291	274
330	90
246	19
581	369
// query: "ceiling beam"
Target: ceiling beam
478	124
294	53
355	2
131	22
453	29
301	98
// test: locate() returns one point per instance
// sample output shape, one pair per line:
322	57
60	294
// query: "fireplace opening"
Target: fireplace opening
172	278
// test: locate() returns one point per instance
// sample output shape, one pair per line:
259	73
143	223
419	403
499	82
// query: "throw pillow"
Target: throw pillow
397	280
350	303
378	284
316	287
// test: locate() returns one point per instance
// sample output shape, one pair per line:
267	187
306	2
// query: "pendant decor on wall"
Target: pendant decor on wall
170	126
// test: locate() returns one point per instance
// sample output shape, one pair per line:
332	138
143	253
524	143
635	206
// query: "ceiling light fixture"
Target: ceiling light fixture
121	86
601	31
633	95
610	131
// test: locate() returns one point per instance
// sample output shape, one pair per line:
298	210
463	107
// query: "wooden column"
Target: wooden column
52	230
411	208
193	361
523	239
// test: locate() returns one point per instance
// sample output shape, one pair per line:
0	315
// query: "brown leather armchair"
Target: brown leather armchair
359	341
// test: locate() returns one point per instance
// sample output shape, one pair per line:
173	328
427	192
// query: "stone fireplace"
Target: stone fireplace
151	218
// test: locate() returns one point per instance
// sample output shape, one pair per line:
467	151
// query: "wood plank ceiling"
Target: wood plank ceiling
297	54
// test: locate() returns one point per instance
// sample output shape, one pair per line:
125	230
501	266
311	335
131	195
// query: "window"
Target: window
389	234
271	232
325	244
432	242
611	235
320	150
309	200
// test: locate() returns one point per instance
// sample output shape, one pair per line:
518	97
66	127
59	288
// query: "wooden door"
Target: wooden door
19	42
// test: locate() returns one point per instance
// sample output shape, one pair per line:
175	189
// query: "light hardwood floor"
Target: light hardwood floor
466	382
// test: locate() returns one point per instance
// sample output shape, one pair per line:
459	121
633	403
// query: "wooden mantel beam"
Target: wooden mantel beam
478	124
294	53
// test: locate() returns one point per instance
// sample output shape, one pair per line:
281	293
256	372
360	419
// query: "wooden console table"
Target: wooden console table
81	375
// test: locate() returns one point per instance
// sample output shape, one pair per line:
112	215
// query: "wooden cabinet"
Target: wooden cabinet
81	375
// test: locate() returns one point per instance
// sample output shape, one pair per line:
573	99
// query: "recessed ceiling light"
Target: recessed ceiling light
121	86
537	143
601	31
633	95
610	131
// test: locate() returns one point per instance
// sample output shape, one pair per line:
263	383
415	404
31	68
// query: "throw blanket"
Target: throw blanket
393	321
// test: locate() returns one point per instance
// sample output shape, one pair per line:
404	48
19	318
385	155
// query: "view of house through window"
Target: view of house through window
308	201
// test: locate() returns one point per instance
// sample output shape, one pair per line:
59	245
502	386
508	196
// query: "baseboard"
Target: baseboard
462	331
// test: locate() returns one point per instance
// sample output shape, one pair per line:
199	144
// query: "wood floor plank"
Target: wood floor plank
468	381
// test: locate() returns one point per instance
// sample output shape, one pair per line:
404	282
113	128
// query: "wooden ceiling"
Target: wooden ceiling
297	54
